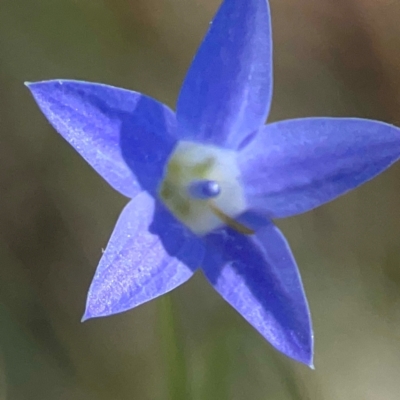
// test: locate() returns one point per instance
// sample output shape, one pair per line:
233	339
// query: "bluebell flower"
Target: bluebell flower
206	182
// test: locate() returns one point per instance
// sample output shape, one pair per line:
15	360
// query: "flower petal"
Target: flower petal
227	91
125	136
293	166
258	276
145	258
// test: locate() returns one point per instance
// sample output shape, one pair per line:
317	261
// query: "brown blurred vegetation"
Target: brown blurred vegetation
338	58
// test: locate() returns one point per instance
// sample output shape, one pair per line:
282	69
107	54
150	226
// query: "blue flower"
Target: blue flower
206	182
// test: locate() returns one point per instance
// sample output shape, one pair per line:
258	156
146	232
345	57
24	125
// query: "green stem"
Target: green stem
175	362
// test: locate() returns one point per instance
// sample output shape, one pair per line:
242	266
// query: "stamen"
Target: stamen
237	226
204	189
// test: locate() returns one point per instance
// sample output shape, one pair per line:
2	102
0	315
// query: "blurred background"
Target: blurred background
332	57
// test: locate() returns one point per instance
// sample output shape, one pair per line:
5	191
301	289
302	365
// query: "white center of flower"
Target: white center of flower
202	188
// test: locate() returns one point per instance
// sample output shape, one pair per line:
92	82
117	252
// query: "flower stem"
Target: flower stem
175	362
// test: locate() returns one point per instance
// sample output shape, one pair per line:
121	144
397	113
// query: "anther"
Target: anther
237	226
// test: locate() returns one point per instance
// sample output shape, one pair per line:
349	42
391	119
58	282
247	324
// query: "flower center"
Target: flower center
201	187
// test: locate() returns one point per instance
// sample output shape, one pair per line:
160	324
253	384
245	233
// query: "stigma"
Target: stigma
201	187
204	189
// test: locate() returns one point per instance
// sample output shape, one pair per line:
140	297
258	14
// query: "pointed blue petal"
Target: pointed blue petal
125	136
227	91
145	258
258	276
293	166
